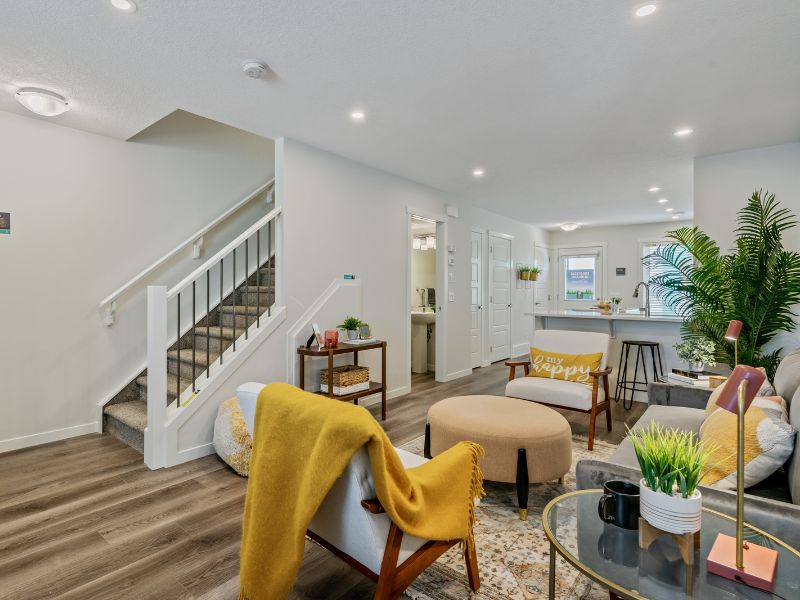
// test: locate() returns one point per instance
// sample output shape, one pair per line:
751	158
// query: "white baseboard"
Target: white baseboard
393	393
456	375
44	437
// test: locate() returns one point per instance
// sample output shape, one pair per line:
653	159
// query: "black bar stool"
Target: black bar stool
636	385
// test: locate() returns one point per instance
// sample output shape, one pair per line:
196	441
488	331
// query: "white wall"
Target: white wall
88	213
622	250
724	182
423	272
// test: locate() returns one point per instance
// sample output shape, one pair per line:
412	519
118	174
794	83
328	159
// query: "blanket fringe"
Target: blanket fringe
476	491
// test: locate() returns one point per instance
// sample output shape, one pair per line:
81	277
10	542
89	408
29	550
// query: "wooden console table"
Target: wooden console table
354	349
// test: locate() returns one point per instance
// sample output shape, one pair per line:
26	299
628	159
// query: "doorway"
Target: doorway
499	296
476	292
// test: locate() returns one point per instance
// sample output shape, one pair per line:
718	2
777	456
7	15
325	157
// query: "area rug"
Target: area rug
513	555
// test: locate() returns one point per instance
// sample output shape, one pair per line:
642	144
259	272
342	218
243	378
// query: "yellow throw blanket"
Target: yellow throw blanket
302	444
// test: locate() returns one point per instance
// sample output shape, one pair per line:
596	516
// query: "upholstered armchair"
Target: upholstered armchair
592	399
352	524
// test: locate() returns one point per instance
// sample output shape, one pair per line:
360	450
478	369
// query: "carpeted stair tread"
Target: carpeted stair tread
199	356
214	331
133	414
240	310
172	381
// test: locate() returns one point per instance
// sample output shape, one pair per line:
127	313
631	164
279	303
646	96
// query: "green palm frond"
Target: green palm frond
757	282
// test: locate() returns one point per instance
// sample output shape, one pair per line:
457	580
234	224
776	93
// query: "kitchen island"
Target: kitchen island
625	326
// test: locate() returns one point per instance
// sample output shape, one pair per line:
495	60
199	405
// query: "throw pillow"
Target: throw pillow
569	367
768	442
232	442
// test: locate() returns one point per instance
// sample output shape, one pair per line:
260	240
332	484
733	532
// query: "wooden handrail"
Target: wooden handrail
189	241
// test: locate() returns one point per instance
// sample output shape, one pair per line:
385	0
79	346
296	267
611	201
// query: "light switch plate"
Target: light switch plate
452	296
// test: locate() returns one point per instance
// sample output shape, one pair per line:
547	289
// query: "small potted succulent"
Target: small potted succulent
699	353
351	326
524	272
534	272
672	463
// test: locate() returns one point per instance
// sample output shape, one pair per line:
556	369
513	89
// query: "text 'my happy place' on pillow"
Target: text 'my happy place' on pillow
569	367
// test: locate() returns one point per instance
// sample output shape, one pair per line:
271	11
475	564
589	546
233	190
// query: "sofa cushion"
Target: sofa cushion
787	377
793	466
671	417
566	367
553	391
768	442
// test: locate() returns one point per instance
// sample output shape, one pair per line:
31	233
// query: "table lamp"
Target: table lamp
732	558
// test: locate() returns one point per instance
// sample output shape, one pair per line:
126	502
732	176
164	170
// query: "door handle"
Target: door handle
479	307
509	306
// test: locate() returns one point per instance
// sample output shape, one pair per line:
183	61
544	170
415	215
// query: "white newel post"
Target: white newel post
156	376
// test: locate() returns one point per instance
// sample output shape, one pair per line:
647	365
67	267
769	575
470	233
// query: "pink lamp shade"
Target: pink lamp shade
734	329
729	398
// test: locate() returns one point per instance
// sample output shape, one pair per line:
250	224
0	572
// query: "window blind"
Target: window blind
652	269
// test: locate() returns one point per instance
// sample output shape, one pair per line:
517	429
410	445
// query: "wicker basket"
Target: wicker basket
345	378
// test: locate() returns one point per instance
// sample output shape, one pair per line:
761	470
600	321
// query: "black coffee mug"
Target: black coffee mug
619	505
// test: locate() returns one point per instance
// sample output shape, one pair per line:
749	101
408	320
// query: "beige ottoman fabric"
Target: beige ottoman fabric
503	425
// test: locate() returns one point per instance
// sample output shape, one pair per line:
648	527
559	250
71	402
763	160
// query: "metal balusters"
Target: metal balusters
178	378
219	309
194	345
258	278
208	321
246	305
270	281
233	279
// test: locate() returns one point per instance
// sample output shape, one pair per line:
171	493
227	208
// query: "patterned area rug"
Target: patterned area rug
513	555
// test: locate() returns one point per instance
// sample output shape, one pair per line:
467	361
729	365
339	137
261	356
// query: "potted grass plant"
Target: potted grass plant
351	325
534	272
524	272
672	463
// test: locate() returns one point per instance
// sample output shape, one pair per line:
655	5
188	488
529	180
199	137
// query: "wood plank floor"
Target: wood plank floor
84	518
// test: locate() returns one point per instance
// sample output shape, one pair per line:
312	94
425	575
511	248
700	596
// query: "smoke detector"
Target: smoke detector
254	69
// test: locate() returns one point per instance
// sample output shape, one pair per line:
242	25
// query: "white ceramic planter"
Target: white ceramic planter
352	334
696	366
673	514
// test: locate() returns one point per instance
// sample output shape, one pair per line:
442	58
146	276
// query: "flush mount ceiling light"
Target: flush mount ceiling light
127	6
683	132
646	10
655	188
662	200
42	102
669	210
569	226
357	115
478	172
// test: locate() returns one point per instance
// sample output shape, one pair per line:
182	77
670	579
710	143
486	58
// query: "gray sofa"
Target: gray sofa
773	505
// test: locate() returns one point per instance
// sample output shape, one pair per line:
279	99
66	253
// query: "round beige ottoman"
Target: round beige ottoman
524	442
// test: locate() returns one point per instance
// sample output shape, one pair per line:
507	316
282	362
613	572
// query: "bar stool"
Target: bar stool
636	385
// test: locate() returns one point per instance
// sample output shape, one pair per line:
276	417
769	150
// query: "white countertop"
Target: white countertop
596	314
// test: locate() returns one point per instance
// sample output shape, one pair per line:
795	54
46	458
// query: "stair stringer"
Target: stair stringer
188	431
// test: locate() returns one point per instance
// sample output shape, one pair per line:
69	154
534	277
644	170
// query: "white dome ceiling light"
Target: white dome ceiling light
646	10
127	6
357	115
654	189
683	132
42	102
478	172
569	226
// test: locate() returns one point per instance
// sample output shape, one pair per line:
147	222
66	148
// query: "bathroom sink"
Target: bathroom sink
423	318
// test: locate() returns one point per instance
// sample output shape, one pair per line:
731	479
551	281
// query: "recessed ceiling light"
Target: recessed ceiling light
358	115
683	132
645	10
669	209
662	200
655	188
569	226
124	5
478	172
42	102
677	215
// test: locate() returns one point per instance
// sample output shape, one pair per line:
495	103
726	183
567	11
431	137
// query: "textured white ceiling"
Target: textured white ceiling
569	105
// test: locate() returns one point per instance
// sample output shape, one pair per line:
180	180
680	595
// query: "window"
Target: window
579	278
652	269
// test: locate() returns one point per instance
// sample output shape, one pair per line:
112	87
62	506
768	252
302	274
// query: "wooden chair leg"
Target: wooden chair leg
608	403
471	558
522	484
592	424
384	590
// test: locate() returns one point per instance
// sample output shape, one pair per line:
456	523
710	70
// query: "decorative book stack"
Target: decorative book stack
698	378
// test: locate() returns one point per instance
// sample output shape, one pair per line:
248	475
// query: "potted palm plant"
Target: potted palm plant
757	283
351	325
672	464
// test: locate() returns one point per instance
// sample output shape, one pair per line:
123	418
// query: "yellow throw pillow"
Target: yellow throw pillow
768	442
569	367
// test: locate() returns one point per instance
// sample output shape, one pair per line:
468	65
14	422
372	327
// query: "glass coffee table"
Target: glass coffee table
611	555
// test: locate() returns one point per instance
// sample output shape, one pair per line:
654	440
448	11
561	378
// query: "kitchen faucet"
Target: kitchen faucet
646	296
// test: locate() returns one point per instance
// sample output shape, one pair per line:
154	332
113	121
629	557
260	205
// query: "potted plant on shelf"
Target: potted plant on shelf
698	352
351	325
672	464
534	272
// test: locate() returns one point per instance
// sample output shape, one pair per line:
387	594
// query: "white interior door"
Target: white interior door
476	290
542	289
500	297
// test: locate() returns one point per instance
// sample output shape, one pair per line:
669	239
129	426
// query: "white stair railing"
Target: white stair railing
188	308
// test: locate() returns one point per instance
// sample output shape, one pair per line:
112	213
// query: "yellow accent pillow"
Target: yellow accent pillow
569	367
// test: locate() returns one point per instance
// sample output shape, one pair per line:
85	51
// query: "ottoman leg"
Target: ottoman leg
522	484
426	452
